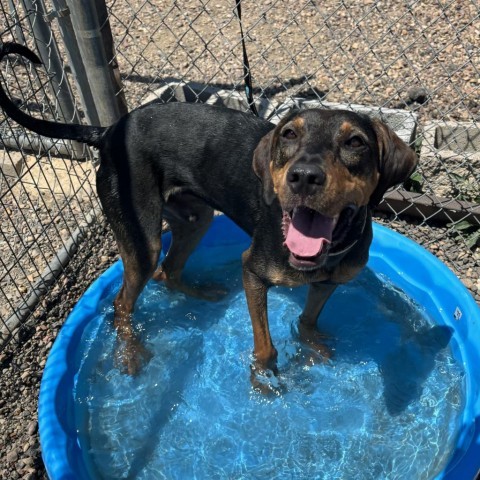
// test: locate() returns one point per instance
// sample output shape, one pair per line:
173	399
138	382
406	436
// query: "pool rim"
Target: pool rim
58	438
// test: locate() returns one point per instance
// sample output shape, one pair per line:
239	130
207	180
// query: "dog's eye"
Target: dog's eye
355	142
289	134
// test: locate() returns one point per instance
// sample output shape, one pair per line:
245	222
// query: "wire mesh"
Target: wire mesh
45	195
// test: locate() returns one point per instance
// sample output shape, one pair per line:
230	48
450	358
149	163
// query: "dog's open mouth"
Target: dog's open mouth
308	234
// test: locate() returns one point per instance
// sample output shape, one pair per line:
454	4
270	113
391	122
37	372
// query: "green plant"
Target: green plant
468	230
414	183
466	188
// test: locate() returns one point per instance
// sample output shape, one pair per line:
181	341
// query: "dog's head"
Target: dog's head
323	166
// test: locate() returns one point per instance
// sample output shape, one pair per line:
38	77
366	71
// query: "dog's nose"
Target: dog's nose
305	178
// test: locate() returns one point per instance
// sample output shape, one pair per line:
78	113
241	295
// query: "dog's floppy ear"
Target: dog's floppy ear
261	166
397	161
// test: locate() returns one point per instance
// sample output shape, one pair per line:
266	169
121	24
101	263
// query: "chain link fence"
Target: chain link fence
414	63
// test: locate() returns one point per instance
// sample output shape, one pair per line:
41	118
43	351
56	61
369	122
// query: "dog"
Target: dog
303	190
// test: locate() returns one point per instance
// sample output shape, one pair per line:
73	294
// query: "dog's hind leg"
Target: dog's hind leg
136	221
138	268
189	219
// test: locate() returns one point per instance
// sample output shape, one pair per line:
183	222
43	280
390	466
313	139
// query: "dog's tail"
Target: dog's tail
81	133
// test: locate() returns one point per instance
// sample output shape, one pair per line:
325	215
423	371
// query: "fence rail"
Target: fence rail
415	63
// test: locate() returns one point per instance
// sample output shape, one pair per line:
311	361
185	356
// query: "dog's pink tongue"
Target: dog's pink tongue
308	232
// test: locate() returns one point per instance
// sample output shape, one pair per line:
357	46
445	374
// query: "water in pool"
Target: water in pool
387	405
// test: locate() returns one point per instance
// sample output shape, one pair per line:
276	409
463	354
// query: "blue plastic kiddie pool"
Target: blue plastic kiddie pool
194	414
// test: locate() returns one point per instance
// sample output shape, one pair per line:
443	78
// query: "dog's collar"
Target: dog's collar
346	249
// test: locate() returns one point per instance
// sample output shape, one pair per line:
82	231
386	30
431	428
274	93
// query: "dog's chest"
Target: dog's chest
289	277
285	275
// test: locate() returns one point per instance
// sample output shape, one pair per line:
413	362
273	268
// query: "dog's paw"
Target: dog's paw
265	381
316	341
209	292
131	356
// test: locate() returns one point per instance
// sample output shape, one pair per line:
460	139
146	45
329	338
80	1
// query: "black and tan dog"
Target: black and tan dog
306	202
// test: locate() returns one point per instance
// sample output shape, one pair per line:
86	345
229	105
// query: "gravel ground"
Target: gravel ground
21	368
356	57
418	55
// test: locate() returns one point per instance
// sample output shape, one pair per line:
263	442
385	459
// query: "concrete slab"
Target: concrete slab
194	92
450	158
404	123
11	163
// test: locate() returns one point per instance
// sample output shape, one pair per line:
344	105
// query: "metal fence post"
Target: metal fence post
47	48
18	29
62	13
89	36
49	54
109	47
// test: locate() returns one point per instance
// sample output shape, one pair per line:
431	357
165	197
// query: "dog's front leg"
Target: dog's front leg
256	289
318	294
